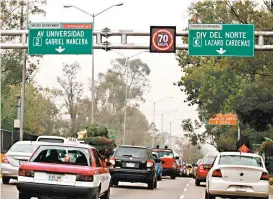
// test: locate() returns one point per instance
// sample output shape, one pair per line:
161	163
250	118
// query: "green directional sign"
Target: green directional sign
233	40
60	38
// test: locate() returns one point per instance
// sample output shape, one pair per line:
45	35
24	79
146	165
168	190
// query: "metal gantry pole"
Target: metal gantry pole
93	79
24	40
125	101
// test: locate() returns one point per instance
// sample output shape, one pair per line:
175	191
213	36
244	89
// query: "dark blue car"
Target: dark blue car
159	167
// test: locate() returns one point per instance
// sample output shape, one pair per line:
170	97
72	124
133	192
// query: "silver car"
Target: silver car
18	154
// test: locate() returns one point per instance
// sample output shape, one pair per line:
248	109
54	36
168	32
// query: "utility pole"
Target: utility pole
153	139
24	58
162	139
170	133
125	101
93	78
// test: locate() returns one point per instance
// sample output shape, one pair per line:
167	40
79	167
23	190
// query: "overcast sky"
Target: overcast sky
134	15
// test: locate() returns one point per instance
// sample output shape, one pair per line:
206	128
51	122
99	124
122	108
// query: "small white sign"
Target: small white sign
16	123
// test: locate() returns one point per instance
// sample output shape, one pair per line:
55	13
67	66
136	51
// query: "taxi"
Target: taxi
64	170
169	165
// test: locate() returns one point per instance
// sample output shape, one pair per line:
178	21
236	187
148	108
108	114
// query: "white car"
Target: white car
236	174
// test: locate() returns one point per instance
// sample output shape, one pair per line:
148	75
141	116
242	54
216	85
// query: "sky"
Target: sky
133	15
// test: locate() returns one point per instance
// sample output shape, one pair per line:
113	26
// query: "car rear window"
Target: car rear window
189	166
165	153
23	147
131	152
240	160
62	155
208	160
51	140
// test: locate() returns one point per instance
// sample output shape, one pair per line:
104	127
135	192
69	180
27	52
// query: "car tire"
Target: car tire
173	176
151	184
90	196
209	196
197	182
106	195
114	183
23	196
159	178
5	180
155	183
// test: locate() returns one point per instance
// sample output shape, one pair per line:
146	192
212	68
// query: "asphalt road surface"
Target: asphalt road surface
180	188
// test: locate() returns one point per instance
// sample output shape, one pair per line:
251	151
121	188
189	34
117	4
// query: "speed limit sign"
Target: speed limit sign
163	39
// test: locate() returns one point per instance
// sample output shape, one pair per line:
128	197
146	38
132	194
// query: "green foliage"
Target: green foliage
223	85
95	130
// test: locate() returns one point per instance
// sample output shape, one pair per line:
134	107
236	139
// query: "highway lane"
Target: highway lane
180	188
167	188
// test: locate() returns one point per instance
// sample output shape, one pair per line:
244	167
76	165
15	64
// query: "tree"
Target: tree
223	85
72	90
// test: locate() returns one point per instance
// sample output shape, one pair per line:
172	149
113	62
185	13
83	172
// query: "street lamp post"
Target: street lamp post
155	102
162	118
93	60
126	89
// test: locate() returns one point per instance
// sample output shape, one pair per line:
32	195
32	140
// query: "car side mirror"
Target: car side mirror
108	164
177	158
157	160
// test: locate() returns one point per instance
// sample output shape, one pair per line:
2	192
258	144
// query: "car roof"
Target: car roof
48	136
27	142
133	146
72	144
239	153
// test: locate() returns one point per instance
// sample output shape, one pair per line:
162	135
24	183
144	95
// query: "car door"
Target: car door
103	172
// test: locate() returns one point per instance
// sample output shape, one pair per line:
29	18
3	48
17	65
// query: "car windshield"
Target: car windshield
51	140
179	162
240	160
189	166
208	160
23	147
166	153
131	152
62	155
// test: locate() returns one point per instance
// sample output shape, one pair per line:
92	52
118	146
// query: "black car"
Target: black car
133	164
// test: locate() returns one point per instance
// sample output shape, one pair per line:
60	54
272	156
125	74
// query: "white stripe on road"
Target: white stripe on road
181	197
185	189
187	185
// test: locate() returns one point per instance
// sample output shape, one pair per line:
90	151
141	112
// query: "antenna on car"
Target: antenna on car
166	147
157	146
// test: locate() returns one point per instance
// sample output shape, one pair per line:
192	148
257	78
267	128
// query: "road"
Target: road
180	188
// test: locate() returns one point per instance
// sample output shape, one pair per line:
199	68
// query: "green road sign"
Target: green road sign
60	38
233	40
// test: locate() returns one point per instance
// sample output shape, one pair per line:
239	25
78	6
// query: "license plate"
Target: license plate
55	177
241	189
22	162
130	164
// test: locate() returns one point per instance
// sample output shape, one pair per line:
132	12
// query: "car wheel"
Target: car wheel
23	196
155	183
90	196
159	177
209	196
114	183
173	176
106	195
151	184
197	182
5	180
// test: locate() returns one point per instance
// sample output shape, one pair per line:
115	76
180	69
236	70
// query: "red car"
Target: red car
64	170
203	169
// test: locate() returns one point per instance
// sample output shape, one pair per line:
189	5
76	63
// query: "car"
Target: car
240	175
18	154
195	167
159	166
169	165
189	170
203	169
47	175
133	164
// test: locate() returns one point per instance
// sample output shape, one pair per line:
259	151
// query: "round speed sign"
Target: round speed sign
162	40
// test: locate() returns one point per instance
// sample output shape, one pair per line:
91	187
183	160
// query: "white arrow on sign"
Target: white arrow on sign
221	51
60	49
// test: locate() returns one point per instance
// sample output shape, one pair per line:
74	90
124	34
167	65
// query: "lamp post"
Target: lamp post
126	89
154	103
93	60
162	118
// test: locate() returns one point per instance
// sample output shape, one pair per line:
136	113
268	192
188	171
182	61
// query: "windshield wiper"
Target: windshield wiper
128	155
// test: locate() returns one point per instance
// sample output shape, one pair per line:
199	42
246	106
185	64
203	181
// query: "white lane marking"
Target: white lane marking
181	197
185	189
187	185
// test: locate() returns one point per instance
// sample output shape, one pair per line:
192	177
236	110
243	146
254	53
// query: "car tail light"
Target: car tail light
5	160
265	176
112	161
201	167
217	173
85	178
26	173
150	163
174	164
